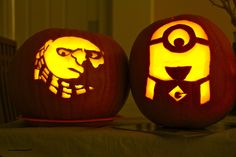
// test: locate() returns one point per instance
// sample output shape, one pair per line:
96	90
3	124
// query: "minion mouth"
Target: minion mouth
178	73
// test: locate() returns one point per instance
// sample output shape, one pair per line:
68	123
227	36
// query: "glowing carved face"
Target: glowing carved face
179	51
61	60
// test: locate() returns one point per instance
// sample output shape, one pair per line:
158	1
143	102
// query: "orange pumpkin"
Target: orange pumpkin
61	74
182	72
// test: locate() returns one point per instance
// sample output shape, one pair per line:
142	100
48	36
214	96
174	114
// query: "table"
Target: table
124	137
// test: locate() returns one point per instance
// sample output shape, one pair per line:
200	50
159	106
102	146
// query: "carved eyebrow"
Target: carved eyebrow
92	51
86	50
78	49
68	49
62	48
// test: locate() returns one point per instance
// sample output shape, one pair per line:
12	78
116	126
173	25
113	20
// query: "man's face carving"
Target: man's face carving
63	58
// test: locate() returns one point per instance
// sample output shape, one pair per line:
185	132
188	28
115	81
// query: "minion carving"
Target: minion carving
179	63
59	64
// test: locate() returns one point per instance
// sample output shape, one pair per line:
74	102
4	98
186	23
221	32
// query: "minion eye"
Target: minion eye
179	38
63	52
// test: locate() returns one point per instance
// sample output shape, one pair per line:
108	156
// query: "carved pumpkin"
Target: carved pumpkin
61	74
182	72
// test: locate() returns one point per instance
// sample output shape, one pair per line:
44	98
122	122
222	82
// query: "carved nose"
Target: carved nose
178	73
80	56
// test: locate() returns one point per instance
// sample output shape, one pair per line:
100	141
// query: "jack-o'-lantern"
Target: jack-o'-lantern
60	61
62	75
182	72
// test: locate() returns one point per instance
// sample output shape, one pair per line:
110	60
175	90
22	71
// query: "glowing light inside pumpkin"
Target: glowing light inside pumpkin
198	58
205	92
180	34
150	90
61	60
179	44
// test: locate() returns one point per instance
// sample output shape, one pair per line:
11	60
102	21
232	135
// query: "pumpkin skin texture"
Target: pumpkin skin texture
182	72
62	74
